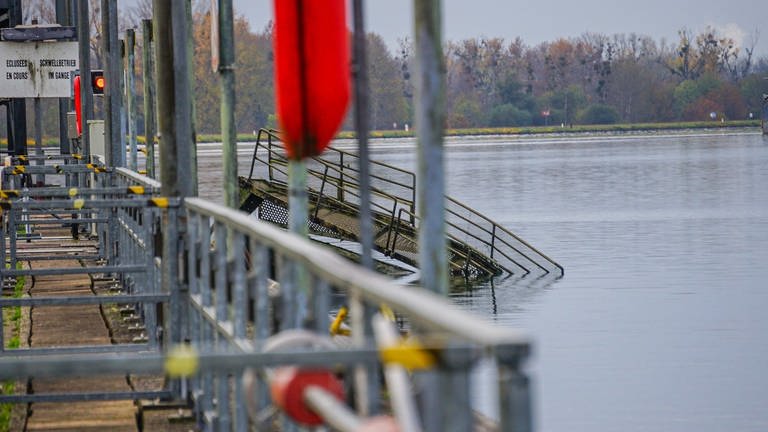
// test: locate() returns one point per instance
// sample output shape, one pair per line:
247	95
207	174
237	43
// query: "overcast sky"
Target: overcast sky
539	21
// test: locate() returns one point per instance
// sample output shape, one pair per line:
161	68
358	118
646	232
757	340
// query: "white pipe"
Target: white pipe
403	405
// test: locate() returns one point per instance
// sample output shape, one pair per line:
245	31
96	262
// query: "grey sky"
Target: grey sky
538	21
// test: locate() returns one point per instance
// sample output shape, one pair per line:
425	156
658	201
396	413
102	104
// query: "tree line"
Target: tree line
490	82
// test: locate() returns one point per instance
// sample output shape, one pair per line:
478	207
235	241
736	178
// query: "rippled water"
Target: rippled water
661	320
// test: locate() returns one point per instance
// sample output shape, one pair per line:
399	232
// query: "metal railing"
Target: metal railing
232	260
230	287
113	226
483	245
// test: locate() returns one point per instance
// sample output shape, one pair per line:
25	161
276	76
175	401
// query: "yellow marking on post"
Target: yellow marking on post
78	203
388	313
90	166
19	169
138	190
144	172
5	194
182	361
159	202
58	168
143	150
77	156
409	354
22	157
72	191
336	329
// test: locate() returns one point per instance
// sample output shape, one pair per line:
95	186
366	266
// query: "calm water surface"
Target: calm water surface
660	323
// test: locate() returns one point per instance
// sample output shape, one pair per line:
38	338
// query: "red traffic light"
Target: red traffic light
98	82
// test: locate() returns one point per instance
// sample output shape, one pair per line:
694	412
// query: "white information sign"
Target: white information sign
37	69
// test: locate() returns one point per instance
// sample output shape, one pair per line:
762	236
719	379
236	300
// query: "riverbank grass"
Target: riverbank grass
11	328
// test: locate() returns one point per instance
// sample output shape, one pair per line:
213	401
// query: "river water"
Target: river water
661	320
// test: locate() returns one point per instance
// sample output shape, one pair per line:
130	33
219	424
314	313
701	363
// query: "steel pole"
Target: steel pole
360	72
367	381
63	18
39	137
130	95
227	82
148	66
86	97
166	104
430	117
113	101
186	154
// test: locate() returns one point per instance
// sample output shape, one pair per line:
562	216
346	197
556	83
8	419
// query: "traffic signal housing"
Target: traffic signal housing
98	82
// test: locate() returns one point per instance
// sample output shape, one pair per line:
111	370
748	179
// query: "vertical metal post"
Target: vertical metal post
148	66
39	137
368	381
296	291
63	18
297	197
227	81
186	153
166	104
17	108
130	95
86	97
169	178
113	101
360	72
430	116
515	400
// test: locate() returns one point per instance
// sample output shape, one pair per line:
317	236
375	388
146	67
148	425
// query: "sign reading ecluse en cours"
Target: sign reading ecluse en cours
37	69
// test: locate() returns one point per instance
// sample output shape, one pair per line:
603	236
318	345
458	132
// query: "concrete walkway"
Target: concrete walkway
60	326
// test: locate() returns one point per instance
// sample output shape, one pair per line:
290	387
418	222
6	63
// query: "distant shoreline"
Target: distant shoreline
510	131
535	130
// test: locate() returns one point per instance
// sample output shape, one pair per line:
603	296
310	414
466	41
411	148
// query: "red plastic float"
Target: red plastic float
287	386
312	76
78	110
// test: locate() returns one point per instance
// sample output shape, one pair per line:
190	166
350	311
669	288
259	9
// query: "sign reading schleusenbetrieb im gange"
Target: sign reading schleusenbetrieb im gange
37	69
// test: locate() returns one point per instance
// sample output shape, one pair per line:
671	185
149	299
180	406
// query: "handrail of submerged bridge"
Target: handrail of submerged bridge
463	223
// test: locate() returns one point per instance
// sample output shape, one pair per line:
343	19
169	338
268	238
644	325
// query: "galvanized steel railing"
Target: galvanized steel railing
232	260
115	222
230	285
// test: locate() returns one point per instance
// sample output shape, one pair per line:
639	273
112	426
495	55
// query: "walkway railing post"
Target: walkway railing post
113	100
370	387
86	98
130	95
430	116
63	17
226	70
150	114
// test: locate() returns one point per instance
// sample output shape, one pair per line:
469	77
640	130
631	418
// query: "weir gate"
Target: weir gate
241	323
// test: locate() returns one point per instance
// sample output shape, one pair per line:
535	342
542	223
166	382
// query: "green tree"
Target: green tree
509	115
388	103
599	114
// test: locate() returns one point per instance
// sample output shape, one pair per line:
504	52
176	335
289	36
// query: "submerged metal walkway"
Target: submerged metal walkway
221	306
477	246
